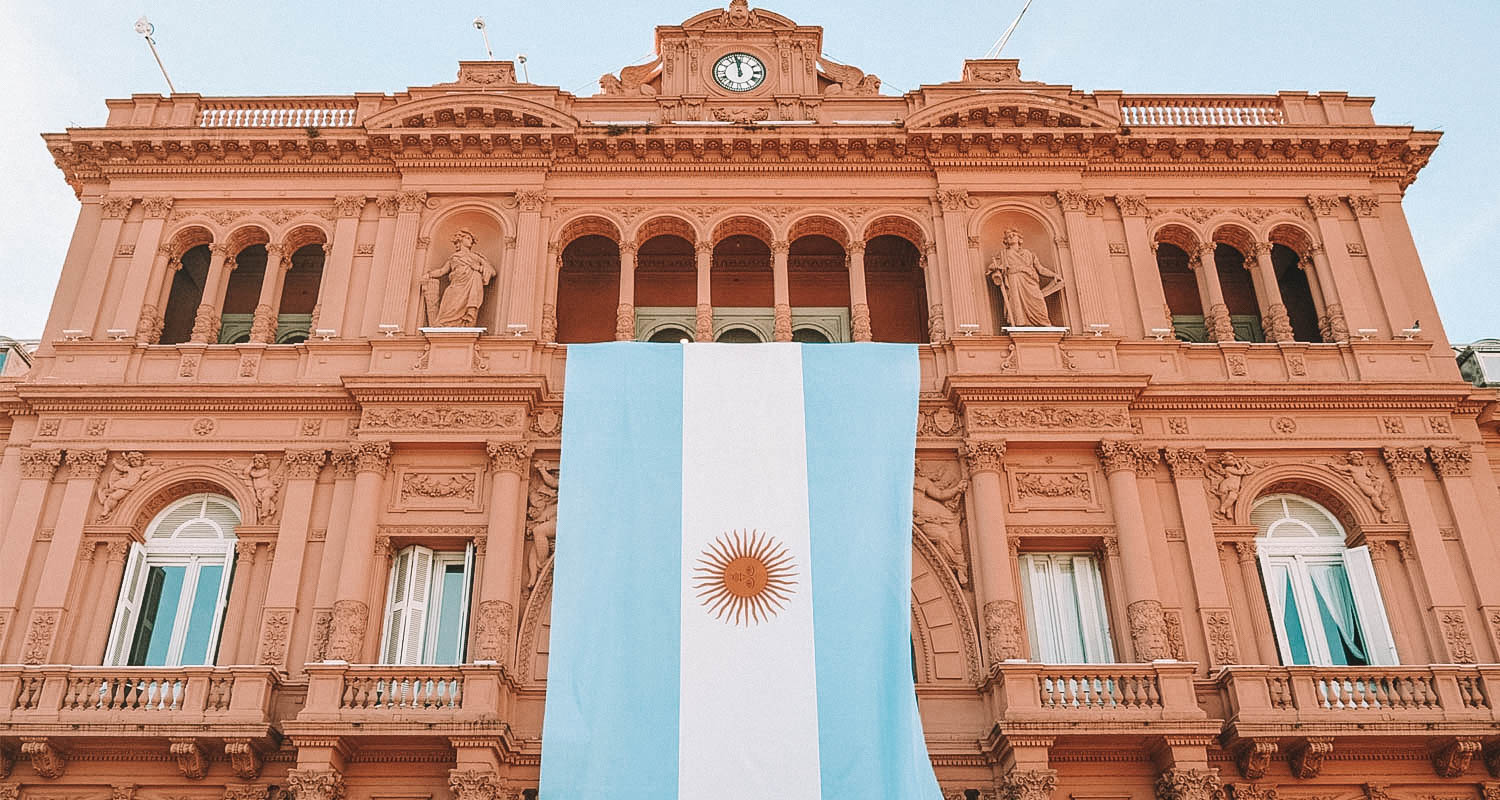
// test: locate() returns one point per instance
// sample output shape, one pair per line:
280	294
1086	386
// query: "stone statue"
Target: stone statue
936	498
541	518
1227	478
1360	472
1018	273
264	485
468	273
126	472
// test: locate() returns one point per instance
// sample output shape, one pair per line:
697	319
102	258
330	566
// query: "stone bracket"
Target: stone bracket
1451	758
1306	756
243	758
46	758
1254	756
191	759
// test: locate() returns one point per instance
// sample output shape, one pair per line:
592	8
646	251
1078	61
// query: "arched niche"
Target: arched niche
185	294
1037	237
489	241
588	289
896	287
741	273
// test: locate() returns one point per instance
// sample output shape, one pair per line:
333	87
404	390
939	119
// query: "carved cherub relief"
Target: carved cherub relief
125	472
1226	480
1360	471
541	519
265	484
937	506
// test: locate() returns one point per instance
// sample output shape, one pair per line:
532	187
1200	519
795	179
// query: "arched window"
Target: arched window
171	604
1296	294
1324	600
739	335
299	294
1239	293
809	336
242	294
897	290
588	290
185	295
1179	285
670	335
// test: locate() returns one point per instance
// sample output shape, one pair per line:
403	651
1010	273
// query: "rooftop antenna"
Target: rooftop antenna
144	27
994	51
525	75
479	26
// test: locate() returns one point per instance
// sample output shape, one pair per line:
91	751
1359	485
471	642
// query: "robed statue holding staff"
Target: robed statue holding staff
1019	273
468	273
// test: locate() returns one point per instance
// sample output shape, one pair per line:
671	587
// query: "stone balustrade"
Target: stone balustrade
360	693
1187	110
81	696
1369	696
1089	693
287	112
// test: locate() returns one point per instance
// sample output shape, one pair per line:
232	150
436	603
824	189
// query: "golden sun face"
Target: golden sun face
744	577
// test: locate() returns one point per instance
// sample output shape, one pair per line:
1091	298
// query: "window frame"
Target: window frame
425	636
1092	610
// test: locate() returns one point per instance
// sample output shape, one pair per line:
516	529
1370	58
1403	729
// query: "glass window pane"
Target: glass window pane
1346	646
200	626
1292	622
1070	627
153	634
446	646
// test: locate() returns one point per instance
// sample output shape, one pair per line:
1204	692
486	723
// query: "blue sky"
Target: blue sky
1433	65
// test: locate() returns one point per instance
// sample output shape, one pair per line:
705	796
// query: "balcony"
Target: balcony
1086	699
81	702
1448	698
375	700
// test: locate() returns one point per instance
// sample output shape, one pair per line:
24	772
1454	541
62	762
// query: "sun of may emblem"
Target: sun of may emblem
744	577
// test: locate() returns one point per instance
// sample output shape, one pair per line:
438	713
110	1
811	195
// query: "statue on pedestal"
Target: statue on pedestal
1019	273
468	273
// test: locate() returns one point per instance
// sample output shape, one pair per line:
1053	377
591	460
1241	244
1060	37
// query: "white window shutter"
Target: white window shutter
415	634
1092	613
463	623
398	589
127	607
1370	606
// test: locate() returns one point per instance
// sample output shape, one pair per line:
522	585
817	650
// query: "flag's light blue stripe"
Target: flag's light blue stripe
618	569
861	410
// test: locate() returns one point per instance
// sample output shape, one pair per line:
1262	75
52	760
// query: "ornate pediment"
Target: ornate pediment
738	17
470	109
1021	106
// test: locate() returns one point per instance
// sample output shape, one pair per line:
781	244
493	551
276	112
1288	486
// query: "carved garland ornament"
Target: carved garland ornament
1049	417
440	418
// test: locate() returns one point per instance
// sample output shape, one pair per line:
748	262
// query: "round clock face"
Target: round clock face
739	72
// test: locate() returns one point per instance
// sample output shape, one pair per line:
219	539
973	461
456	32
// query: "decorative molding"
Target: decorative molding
350	617
493	628
1046	418
1148	630
191	760
1451	760
1305	757
429	418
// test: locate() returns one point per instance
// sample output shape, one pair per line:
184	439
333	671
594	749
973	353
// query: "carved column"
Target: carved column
703	326
1255	600
1320	299
1387	277
206	320
146	264
935	283
1332	257
1148	629
1186	464
149	323
967	292
263	326
338	268
37	469
1089	281
399	280
351	614
781	291
625	311
994	589
55	585
522	305
280	616
505	552
1333	323
1148	290
1403	628
859	303
238	608
1408	467
87	308
1268	291
331	561
1215	312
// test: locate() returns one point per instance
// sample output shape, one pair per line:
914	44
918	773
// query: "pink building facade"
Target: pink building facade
1199	508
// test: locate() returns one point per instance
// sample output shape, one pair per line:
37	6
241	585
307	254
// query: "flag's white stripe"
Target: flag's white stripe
748	717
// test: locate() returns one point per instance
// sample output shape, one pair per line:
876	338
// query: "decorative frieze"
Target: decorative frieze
1047	418
441	418
1052	488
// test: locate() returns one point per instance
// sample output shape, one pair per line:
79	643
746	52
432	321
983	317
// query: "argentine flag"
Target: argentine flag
731	589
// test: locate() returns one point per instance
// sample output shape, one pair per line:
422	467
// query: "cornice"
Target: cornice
1330	396
117	398
1008	388
528	389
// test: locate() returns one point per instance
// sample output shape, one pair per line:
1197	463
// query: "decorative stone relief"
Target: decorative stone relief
37	647
1047	417
275	630
441	418
474	784
1360	471
315	784
191	760
1254	757
317	647
1452	759
438	488
492	631
1451	462
1177	425
1226	479
1455	625
1148	630
1189	784
939	421
1172	617
1052	489
1251	791
348	631
1002	631
1219	626
1305	758
264	482
204	426
1028	784
541	519
48	761
937	513
249	791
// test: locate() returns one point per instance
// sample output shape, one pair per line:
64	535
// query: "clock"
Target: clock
739	72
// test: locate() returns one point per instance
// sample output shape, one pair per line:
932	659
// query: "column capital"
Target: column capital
1323	205
856	246
157	207
514	457
780	247
474	784
1405	461
411	200
1206	251
315	784
1259	249
1452	461
1028	784
703	248
116	206
1188	784
343	463
220	249
983	455
956	200
1132	205
1364	205
348	205
86	464
1186	462
304	464
371	456
628	246
530	199
274	253
1117	455
39	464
1074	200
